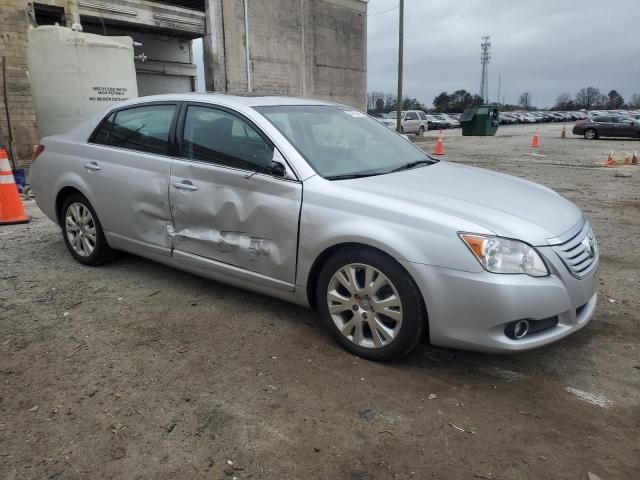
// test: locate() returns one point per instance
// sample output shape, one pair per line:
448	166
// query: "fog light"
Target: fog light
517	330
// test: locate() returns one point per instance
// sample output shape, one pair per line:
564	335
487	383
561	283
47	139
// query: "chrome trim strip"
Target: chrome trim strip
569	234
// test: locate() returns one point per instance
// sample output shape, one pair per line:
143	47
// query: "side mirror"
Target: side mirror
277	169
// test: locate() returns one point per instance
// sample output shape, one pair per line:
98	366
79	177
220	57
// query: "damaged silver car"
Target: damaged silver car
321	205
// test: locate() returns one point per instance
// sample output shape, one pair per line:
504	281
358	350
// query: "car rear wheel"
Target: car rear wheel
83	233
590	134
370	305
421	131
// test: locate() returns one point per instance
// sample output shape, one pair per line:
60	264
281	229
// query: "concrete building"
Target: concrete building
313	48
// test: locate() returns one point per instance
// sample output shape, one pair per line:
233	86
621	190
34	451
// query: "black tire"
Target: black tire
414	317
421	131
102	252
590	134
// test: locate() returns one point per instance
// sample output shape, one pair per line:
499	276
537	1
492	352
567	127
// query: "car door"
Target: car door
227	202
412	122
424	121
604	126
126	168
626	127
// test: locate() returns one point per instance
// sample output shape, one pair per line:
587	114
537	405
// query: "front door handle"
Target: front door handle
185	185
92	166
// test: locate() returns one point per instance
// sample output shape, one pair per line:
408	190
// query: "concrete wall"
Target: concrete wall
13	40
311	48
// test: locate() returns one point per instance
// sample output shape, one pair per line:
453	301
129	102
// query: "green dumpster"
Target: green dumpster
480	121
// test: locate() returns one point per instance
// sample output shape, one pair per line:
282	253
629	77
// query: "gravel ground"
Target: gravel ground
135	370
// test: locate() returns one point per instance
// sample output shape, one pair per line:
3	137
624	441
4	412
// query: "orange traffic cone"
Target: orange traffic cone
634	159
535	143
11	209
610	160
439	150
627	159
563	134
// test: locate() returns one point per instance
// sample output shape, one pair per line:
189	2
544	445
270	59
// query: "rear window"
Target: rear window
145	129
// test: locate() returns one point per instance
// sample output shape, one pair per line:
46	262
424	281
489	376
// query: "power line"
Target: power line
384	11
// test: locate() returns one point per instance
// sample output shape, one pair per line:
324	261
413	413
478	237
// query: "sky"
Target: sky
545	47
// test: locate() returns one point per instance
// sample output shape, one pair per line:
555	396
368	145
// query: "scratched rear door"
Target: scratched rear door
224	206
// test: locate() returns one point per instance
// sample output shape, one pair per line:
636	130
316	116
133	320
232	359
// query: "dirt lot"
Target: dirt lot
135	370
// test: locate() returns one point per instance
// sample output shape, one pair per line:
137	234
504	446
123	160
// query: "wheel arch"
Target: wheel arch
321	259
63	194
314	273
597	133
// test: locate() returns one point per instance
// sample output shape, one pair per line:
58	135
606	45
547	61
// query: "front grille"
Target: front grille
539	325
580	253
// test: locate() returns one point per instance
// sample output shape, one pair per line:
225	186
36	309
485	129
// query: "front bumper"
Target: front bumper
471	310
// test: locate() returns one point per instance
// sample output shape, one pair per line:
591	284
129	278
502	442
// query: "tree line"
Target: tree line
380	102
588	98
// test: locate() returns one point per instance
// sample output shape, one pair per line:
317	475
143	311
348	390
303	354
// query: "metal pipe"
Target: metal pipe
12	150
400	66
246	33
303	51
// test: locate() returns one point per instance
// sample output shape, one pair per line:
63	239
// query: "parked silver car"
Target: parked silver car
412	121
319	204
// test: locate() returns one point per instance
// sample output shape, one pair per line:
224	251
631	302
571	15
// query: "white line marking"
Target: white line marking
592	398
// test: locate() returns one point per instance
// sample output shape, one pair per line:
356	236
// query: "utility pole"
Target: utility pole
485	56
499	82
400	65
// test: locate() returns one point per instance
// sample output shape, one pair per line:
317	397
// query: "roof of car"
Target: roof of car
247	100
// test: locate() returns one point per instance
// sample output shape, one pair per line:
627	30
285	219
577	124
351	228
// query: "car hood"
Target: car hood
506	205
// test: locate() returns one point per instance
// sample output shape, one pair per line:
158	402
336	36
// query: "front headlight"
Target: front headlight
503	255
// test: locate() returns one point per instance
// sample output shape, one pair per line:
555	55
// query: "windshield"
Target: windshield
393	115
338	141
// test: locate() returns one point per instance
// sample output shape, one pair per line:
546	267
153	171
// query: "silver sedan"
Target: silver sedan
321	205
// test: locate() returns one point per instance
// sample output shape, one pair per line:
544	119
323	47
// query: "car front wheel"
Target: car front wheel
83	233
590	134
370	305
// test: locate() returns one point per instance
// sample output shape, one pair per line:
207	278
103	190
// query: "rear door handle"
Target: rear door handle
92	166
185	185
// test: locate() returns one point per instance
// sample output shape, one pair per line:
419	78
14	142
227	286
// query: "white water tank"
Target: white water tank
74	75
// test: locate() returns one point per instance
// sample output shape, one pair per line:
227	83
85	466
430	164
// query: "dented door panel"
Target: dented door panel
131	192
236	217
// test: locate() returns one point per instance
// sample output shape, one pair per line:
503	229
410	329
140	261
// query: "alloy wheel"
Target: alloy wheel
80	229
364	305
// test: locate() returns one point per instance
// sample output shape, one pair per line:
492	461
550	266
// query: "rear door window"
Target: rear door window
145	128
